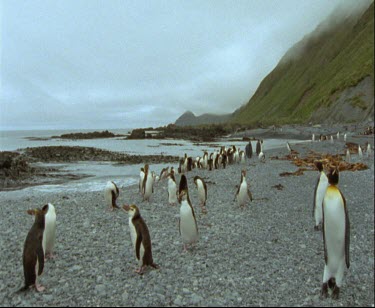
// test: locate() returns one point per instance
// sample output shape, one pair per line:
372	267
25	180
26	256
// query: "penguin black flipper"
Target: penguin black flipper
40	255
138	245
114	196
315	190
250	195
347	233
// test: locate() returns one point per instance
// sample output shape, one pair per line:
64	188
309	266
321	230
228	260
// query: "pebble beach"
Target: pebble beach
266	254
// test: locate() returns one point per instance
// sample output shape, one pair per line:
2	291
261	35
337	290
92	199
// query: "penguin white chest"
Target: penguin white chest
242	194
149	185
201	191
320	192
133	236
172	191
188	227
334	230
49	234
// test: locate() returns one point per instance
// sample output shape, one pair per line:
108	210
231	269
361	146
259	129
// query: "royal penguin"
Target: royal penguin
249	150
319	192
347	156
338	135
262	157
368	152
336	236
331	139
49	235
172	189
258	147
345	137
140	237
242	157
111	193
33	253
148	184
141	178
202	192
163	174
243	194
187	223
360	154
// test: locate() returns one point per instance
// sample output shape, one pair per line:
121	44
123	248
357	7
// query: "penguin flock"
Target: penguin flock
330	215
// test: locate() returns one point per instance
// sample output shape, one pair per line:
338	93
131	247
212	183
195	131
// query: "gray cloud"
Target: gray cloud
95	64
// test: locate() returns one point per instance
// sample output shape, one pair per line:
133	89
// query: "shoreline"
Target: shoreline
267	250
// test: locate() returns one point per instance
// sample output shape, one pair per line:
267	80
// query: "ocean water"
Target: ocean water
101	172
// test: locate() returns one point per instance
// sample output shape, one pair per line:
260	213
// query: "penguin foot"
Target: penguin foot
39	288
324	292
50	256
155	266
332	283
318	228
140	271
336	292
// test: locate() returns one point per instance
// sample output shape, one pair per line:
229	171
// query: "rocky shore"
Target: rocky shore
265	254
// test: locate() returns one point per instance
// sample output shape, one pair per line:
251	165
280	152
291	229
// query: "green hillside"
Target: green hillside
328	62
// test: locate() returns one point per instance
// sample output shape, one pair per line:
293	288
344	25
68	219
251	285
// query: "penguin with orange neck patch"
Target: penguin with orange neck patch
141	239
33	253
336	236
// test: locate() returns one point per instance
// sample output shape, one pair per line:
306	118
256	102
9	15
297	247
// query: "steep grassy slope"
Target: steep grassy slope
314	73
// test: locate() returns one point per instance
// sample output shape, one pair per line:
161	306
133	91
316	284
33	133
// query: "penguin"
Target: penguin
236	155
242	157
141	178
288	147
111	193
319	192
243	193
258	147
172	189
202	192
187	223
368	152
262	157
148	184
347	156
336	236
190	164
49	235
33	253
205	160
331	139
360	154
140	237
249	150
338	135
163	174
345	137
313	138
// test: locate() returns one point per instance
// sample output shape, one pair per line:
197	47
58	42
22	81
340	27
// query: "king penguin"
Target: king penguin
49	234
33	253
336	236
187	224
202	192
319	192
258	147
111	193
172	189
243	193
141	239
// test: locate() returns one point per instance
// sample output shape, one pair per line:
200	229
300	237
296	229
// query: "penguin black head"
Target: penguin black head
319	165
39	215
333	176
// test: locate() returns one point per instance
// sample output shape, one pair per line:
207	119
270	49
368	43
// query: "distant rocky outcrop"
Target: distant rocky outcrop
91	135
190	119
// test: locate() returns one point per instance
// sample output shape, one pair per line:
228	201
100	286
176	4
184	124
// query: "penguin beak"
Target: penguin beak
126	207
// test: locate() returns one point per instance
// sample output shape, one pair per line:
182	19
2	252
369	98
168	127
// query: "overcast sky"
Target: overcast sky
124	64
